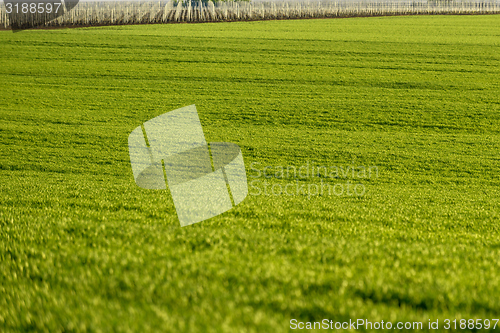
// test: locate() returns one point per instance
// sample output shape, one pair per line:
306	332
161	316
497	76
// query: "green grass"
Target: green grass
83	249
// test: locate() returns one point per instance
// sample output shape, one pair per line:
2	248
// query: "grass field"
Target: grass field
83	249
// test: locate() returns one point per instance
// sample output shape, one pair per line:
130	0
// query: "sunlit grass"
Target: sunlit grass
82	248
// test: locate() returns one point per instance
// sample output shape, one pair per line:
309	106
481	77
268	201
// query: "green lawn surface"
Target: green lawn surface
84	249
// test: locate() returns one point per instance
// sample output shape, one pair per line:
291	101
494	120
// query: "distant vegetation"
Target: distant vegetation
147	12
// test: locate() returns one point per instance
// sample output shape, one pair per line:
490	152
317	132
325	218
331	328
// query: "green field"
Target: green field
83	249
